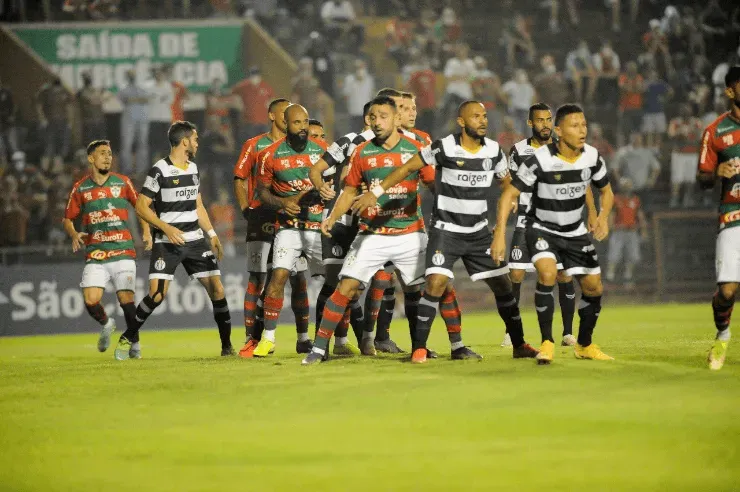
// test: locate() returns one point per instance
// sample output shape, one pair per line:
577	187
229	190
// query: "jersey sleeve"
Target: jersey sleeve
74	204
131	194
354	176
427	174
266	169
500	165
429	153
708	154
152	183
600	178
337	152
244	163
526	176
515	160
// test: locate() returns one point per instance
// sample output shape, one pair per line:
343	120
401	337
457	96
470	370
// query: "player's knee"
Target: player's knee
125	296
517	276
436	284
547	276
91	297
278	279
591	285
727	291
348	288
564	278
216	290
157	290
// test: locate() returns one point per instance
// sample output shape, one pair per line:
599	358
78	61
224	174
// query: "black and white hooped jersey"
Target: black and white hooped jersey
463	182
174	192
559	187
337	156
519	152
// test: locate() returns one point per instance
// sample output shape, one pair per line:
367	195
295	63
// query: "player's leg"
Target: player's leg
567	301
520	262
387	308
300	308
94	278
258	263
123	276
727	264
545	262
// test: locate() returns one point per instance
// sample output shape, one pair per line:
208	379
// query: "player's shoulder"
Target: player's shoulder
81	183
272	148
723	124
523	147
407	142
316	145
424	136
590	153
253	143
120	178
493	148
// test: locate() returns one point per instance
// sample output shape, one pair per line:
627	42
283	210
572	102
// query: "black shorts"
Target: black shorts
261	224
445	248
577	254
519	254
196	256
334	248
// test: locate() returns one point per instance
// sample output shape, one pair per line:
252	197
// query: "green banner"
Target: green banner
199	54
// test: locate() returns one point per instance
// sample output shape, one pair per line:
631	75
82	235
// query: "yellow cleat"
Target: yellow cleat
264	348
345	350
546	353
717	354
591	352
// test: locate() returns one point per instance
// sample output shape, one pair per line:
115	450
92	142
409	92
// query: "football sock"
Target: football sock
411	308
426	312
299	302
567	298
97	312
143	310
722	309
357	318
334	311
129	314
259	318
508	309
385	314
222	316
324	294
343	327
251	295
272	308
588	310
516	289
450	311
374	297
545	305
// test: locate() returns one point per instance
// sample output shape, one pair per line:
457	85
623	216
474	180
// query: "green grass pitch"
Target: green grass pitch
184	419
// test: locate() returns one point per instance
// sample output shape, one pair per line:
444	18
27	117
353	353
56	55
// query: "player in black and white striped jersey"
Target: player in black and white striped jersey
468	164
558	175
179	219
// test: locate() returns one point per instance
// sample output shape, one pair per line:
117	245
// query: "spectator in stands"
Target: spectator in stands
217	149
134	125
508	135
519	43
685	133
599	142
520	96
549	84
487	90
181	94
255	95
656	43
14	217
399	33
324	109
160	113
636	163
459	71
694	85
631	89
606	67
223	216
654	125
338	16
555	6
449	25
304	87
359	88
708	117
628	228
714	24
579	69
53	106
319	52
423	84
8	134
90	102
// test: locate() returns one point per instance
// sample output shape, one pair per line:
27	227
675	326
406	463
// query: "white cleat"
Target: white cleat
569	341
105	333
507	341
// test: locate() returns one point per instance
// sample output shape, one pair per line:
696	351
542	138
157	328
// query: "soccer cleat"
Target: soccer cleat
367	347
247	351
546	353
388	347
123	349
135	351
228	351
431	354
419	356
568	341
346	349
464	353
303	346
105	333
312	358
264	348
525	351
507	341
591	352
717	354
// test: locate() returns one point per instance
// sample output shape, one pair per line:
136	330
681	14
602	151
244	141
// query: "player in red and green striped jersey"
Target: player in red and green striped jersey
720	158
101	201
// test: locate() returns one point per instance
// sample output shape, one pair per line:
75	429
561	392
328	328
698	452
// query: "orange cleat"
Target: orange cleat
247	351
419	356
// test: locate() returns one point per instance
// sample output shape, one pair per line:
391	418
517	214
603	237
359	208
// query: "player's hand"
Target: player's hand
363	202
174	235
601	229
592	223
498	247
147	240
327	191
514	206
290	204
78	241
217	248
326	226
728	169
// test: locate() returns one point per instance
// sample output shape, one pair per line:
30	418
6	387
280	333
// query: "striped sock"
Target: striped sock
450	311
343	327
411	308
374	297
324	294
273	306
251	295
385	314
143	311
426	311
334	311
588	310
722	309
508	309
299	302
97	312
222	316
545	305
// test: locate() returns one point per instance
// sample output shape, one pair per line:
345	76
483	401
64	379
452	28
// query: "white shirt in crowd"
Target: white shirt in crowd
460	68
337	11
358	91
160	105
520	94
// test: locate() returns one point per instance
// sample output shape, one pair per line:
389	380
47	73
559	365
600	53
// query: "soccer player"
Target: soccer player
558	175
284	185
316	130
468	163
172	186
409	124
100	200
720	158
260	234
391	232
520	262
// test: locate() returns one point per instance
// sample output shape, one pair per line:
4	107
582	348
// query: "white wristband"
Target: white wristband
211	233
377	190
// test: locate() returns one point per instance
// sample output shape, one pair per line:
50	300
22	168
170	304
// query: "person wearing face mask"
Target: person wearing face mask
579	69
359	87
54	112
90	100
255	95
550	84
520	96
606	65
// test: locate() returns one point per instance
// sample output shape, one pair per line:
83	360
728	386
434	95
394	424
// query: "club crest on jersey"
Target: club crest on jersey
516	254
541	244
337	250
387	162
159	264
438	258
115	191
314	158
487	164
586	174
268	228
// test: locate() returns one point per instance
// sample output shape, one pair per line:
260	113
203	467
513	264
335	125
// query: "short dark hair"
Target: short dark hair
275	102
366	108
540	106
95	144
465	104
315	123
565	110
408	95
388	92
383	101
179	130
732	76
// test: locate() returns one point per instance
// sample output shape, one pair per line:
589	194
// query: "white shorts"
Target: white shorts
289	247
683	167
727	261
121	273
259	258
654	123
370	253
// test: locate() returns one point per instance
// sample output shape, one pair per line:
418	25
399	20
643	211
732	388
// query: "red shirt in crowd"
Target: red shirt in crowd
255	98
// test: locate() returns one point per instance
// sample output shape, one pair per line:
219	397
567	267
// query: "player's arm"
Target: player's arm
591	211
524	180
600	179
264	190
503	170
74	207
145	212
370	198
146	231
709	170
341	207
204	221
316	175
